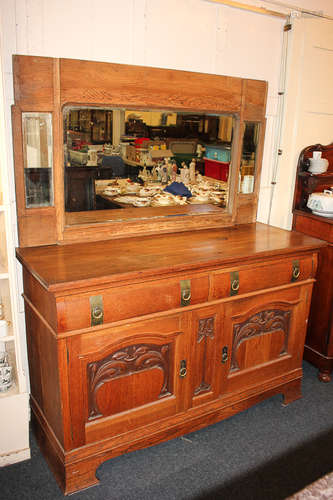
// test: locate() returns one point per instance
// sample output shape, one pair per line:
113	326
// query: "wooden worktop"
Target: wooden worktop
60	267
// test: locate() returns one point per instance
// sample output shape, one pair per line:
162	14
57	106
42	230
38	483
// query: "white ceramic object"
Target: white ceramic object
318	165
321	203
247	184
5	378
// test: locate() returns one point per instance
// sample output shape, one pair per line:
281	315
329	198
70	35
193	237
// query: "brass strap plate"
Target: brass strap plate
234	283
96	310
185	292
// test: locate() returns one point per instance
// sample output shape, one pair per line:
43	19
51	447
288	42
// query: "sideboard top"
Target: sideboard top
60	268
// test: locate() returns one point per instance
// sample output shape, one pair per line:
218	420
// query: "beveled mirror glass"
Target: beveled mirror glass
249	157
37	159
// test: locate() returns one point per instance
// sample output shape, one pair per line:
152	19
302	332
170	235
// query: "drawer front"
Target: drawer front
125	302
246	279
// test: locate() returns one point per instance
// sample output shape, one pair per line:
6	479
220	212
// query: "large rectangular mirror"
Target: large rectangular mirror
118	159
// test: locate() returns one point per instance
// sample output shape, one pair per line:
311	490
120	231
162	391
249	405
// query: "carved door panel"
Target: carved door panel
125	377
206	354
266	334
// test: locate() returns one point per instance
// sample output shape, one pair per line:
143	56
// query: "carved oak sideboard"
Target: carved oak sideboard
136	341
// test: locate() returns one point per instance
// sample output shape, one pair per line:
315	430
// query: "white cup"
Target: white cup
316	155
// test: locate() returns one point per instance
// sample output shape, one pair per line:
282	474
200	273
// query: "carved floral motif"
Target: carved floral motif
206	328
128	360
262	323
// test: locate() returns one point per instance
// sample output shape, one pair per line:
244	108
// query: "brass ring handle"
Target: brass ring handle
296	273
235	285
186	295
183	372
97	312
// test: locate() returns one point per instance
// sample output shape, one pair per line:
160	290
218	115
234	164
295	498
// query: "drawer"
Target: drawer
245	279
125	302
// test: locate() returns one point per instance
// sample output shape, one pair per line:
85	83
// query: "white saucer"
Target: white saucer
323	213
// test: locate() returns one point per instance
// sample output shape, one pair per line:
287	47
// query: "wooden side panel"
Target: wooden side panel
315	226
255	93
319	336
44	371
37	229
36	226
88	82
33	82
43	301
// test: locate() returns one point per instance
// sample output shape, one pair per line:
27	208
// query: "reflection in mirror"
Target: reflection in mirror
121	158
249	157
37	159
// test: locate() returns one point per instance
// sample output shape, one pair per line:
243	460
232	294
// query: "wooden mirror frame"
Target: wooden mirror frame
43	84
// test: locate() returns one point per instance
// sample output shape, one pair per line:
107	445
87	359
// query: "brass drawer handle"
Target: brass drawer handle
185	292
234	282
97	312
296	271
186	295
235	285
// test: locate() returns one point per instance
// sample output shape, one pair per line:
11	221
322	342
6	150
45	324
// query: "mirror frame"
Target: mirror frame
43	84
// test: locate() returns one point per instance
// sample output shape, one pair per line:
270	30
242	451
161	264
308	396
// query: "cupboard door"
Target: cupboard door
125	377
266	336
206	347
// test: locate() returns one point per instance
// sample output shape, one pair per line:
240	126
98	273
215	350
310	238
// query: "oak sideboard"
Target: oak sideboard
136	341
148	322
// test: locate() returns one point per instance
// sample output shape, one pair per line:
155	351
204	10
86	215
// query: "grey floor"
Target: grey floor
264	453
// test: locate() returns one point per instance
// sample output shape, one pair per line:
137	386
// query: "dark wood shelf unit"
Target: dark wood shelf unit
319	339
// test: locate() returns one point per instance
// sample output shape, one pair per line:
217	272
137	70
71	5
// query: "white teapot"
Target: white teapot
321	203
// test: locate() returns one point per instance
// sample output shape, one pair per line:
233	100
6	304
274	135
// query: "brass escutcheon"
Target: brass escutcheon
183	369
224	358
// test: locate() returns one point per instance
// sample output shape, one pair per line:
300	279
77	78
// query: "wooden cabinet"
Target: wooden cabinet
80	186
319	340
147	323
133	342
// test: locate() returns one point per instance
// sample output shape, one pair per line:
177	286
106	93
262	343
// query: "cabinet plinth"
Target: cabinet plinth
162	360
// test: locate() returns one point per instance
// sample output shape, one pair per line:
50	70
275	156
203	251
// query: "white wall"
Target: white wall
308	109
